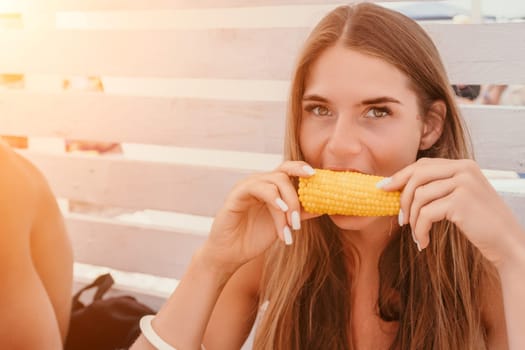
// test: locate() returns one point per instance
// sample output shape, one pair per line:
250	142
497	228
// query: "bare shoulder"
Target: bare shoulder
18	186
19	178
24	190
493	313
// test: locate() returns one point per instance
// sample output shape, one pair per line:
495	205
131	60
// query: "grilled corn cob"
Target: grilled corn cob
346	193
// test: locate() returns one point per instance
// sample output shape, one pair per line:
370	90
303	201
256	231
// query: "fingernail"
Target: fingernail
400	217
382	183
415	240
287	236
281	204
296	220
309	170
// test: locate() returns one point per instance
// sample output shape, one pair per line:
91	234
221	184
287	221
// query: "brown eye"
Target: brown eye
377	113
321	111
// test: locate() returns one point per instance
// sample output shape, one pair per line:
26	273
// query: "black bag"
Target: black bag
105	324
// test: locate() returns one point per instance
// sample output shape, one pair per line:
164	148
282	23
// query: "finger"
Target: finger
297	168
288	191
284	233
432	212
424	170
421	174
268	193
289	195
425	194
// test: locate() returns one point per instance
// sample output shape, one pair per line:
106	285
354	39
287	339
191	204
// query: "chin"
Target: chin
352	223
359	223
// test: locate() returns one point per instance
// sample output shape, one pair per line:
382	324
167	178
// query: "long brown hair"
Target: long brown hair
435	295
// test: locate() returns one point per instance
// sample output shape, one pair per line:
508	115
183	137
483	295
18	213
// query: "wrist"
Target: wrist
208	263
214	260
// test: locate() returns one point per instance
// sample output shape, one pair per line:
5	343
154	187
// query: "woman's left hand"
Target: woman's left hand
456	190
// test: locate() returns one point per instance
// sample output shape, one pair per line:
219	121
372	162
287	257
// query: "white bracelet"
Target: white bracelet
150	334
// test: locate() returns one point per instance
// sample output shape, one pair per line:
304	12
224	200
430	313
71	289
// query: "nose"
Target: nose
345	138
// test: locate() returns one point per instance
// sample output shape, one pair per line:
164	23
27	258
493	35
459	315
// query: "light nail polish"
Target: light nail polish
287	235
383	182
281	204
309	170
415	240
400	217
296	220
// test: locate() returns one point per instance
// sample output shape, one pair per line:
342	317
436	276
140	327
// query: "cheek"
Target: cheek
308	143
396	149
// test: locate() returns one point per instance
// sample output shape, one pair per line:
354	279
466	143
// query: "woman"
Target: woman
369	94
36	268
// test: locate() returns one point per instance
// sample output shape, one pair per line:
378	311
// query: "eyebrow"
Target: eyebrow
370	101
382	99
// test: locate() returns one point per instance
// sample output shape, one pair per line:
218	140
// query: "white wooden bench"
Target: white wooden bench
195	91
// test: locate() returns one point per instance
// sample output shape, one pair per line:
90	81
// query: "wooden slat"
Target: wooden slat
136	184
498	136
481	53
517	203
223	53
495	52
142	294
232	125
150	289
136	248
199	190
157	251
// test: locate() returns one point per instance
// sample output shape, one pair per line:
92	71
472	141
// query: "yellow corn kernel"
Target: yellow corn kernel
346	193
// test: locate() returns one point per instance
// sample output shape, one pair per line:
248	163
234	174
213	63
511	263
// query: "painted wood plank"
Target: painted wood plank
125	183
498	136
134	282
182	53
232	125
490	57
156	251
223	53
184	188
252	126
153	301
153	290
517	203
130	247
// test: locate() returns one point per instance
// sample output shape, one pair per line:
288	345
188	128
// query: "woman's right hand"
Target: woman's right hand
259	210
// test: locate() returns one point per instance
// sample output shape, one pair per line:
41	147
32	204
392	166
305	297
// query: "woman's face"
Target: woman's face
358	113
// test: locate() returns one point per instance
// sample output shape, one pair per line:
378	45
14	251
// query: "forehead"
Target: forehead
343	71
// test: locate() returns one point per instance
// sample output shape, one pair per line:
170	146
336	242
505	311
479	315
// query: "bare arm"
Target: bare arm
512	274
234	314
29	317
250	221
204	303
